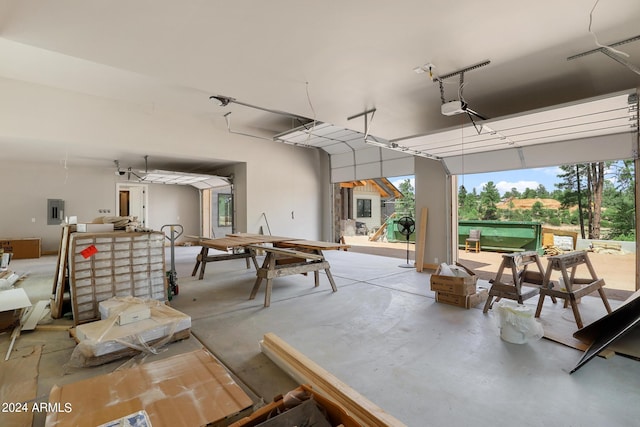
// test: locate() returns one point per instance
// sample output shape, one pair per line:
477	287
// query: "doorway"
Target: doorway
131	200
218	214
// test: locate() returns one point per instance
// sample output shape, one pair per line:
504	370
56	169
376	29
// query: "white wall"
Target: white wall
174	204
286	183
27	186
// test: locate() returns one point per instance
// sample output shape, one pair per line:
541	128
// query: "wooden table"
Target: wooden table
292	257
235	246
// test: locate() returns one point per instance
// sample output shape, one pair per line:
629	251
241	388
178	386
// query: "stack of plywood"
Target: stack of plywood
104	265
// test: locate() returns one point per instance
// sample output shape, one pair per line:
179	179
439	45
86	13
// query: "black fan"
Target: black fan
406	226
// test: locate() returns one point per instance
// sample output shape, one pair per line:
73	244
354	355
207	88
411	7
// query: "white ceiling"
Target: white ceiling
325	61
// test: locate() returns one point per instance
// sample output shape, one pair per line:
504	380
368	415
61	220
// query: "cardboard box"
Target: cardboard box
127	310
191	389
22	248
455	285
464	301
94	228
133	314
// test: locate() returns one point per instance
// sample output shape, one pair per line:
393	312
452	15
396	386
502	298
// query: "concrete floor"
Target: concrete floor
383	334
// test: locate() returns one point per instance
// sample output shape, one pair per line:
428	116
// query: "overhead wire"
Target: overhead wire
312	111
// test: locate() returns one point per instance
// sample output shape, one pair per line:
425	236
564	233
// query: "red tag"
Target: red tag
89	251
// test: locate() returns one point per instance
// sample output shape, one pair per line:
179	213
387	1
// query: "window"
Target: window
364	208
225	210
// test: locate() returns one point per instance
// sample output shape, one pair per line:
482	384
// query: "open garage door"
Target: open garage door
597	129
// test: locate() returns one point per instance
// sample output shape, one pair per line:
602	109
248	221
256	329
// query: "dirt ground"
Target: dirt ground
618	271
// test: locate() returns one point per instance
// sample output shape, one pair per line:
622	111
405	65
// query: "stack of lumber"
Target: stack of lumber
552	250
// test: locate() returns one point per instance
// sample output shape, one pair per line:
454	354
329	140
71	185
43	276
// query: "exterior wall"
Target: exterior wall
374	196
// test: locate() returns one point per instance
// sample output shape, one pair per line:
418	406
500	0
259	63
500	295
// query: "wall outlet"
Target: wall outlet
435	261
33	220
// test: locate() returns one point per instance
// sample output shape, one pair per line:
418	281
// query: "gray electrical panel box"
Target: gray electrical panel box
55	211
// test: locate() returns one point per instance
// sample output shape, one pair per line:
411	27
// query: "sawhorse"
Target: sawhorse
271	268
203	258
519	263
570	295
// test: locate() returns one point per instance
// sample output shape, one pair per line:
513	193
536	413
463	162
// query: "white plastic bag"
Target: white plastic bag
517	324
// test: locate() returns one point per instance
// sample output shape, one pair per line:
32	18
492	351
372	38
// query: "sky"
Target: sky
504	181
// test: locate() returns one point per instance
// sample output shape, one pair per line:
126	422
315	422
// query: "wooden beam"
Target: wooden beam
382	191
380	230
288	252
304	370
347	185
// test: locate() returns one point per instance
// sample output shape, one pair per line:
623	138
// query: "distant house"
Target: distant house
366	204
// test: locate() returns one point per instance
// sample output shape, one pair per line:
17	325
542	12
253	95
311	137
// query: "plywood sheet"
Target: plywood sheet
13	299
610	329
190	389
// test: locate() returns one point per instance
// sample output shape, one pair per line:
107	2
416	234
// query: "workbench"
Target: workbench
285	256
293	257
234	246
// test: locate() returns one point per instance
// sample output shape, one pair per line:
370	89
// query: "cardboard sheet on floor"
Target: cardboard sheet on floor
19	385
190	389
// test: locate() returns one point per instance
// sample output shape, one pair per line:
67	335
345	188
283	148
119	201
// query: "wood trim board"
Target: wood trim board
60	278
422	239
304	370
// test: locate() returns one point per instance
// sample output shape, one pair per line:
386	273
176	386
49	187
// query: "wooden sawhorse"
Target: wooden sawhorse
271	268
570	295
203	258
519	263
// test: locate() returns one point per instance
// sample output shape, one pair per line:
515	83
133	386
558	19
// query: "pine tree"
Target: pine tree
489	198
406	206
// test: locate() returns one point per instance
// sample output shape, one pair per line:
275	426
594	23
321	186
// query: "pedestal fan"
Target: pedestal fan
406	226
